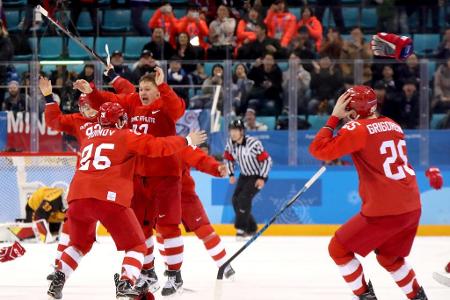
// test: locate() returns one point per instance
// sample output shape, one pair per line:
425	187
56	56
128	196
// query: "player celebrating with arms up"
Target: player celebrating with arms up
391	208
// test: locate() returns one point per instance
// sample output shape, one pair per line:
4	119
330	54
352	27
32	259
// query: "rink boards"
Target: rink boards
332	200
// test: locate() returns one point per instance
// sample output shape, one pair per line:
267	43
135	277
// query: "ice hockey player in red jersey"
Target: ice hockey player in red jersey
72	124
193	214
101	190
154	110
391	208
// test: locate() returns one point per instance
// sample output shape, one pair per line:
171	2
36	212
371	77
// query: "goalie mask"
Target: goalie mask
112	114
363	101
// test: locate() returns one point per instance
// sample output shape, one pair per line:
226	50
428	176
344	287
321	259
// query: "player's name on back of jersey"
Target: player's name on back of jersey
383	127
99	132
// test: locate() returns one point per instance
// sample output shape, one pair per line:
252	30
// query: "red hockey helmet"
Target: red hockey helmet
110	115
363	100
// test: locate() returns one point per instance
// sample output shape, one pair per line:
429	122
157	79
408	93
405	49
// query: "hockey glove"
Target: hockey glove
435	177
11	252
392	45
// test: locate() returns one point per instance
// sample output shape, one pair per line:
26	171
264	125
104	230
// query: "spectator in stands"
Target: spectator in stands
356	48
441	100
409	103
208	89
332	44
188	52
324	95
336	8
199	75
246	29
6	54
194	26
161	49
302	80
387	104
75	11
313	25
241	88
87	73
16	101
58	77
443	51
389	81
221	35
119	67
144	65
177	76
165	19
409	70
137	8
280	23
265	96
261	45
250	122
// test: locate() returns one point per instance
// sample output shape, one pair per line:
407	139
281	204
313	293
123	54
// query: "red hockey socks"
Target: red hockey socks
403	274
349	266
213	244
173	246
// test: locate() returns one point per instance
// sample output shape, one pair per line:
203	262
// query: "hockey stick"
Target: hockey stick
286	205
75	38
441	278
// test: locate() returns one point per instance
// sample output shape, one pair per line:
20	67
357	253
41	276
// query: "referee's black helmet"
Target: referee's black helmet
237	124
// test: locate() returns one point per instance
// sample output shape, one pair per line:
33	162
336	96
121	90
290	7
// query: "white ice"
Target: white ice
273	268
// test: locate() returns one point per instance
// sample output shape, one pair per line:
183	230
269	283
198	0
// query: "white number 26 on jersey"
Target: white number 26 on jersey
99	162
396	151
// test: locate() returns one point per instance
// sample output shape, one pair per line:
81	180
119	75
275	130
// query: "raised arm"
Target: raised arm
54	118
173	105
98	97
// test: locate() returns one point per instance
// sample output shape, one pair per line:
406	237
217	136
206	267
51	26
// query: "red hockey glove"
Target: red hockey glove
11	252
435	177
392	45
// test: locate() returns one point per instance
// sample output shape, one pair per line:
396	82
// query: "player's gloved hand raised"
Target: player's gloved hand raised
392	45
435	177
196	138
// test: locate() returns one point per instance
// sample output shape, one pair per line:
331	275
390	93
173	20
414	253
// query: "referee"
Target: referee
254	164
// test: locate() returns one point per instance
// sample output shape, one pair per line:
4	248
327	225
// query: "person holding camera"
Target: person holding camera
165	19
195	26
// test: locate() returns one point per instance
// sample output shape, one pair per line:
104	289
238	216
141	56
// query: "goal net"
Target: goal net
21	175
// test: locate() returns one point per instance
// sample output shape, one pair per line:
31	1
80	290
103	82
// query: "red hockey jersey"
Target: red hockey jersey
157	119
196	158
107	163
387	183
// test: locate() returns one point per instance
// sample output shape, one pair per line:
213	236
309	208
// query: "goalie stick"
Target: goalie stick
72	36
258	234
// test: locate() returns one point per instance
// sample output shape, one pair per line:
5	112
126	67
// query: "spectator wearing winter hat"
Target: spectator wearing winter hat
313	25
177	76
280	23
194	26
16	101
165	19
250	122
221	34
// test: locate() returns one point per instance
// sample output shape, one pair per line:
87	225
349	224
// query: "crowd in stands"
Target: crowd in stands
263	38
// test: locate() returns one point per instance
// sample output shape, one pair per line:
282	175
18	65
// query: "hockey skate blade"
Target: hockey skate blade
442	279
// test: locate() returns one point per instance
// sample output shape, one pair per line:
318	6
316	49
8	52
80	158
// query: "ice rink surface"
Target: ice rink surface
273	268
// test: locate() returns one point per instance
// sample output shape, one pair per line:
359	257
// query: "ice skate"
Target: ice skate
369	295
420	295
147	282
57	285
174	283
124	289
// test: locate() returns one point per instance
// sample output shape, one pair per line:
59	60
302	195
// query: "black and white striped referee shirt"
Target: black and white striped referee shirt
250	155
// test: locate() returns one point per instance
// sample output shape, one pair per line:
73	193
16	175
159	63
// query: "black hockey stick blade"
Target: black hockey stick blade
270	222
75	38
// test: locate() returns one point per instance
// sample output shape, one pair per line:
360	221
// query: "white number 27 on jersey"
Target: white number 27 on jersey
396	151
99	162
